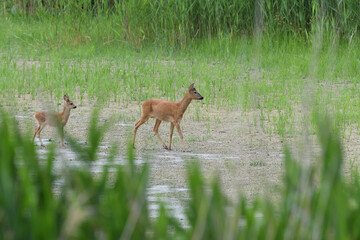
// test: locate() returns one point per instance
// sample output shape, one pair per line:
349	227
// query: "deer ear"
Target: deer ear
191	86
66	98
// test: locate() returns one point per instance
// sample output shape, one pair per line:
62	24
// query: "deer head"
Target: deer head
193	93
68	104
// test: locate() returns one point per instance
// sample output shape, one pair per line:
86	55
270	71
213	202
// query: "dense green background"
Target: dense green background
179	22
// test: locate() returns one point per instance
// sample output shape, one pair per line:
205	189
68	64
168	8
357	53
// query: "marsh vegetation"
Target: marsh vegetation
267	70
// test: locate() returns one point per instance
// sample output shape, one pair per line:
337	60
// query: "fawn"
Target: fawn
54	119
167	111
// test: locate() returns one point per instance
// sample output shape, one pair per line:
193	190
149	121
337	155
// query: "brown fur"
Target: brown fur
54	119
167	111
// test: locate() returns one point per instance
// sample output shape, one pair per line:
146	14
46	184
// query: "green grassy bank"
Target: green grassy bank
267	56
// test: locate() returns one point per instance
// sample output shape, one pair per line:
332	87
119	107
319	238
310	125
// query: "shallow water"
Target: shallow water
169	188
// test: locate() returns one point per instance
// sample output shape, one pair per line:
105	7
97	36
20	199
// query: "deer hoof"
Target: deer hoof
165	147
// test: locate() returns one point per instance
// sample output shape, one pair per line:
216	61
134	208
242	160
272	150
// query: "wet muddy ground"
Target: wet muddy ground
227	144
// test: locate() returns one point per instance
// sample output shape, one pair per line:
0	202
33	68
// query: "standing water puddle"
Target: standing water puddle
162	189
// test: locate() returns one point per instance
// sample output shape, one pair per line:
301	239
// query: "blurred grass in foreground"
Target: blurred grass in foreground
317	203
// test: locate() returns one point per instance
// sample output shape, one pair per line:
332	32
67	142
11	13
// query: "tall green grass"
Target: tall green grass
249	55
316	202
179	22
228	73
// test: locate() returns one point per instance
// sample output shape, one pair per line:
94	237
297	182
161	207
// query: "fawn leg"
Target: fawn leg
62	136
180	134
41	128
35	132
156	127
137	125
171	134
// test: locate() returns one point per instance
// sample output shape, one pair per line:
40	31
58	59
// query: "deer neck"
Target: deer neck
183	105
64	115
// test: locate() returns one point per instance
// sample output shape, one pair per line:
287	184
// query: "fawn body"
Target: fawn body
167	111
54	119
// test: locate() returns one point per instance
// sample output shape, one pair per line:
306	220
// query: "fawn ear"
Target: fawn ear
66	98
192	86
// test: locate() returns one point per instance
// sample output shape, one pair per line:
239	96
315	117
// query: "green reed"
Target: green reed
179	22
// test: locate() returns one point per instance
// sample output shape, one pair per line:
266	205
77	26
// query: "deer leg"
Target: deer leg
180	134
38	133
137	125
156	127
35	132
62	136
171	134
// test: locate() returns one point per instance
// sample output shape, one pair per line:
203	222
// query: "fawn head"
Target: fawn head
193	93
68	104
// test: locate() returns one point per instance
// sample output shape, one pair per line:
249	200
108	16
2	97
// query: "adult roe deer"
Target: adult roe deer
167	111
54	119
